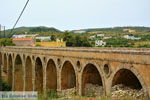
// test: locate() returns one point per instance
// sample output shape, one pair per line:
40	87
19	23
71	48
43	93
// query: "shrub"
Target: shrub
51	93
38	45
5	86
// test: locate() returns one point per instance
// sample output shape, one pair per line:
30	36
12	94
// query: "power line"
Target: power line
4	32
18	18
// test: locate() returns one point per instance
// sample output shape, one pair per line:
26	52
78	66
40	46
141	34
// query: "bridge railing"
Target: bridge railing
85	49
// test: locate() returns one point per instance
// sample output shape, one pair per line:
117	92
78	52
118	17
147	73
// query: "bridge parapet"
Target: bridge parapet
130	55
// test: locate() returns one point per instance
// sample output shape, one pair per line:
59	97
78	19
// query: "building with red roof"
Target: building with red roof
24	41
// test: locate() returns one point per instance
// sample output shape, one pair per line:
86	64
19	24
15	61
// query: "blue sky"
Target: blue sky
76	14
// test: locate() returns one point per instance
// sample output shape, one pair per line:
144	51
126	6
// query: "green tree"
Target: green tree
68	37
53	38
118	42
6	42
86	42
38	40
81	41
76	40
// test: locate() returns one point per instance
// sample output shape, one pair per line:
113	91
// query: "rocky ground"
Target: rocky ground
68	92
95	92
120	91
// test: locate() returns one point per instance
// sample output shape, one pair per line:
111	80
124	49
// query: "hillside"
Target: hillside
40	29
46	31
33	29
117	29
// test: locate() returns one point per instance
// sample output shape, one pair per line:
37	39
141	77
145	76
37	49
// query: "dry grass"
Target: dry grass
99	98
142	43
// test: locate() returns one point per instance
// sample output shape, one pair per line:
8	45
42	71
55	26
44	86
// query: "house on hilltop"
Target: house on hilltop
44	38
129	30
100	43
131	37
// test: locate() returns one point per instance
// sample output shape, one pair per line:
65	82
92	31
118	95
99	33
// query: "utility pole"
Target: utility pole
0	29
4	32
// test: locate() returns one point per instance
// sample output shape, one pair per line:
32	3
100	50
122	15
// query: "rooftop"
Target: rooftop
22	39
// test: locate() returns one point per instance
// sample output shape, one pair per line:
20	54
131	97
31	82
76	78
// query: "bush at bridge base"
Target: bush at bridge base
5	86
50	94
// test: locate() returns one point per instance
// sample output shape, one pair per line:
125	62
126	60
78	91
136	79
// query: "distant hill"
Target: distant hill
21	30
117	29
44	31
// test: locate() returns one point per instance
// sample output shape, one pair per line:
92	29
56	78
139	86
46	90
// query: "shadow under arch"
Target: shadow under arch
28	77
51	75
38	75
5	64
18	74
10	70
136	82
68	76
127	78
91	75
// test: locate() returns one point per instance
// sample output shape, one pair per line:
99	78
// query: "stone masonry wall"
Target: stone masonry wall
134	60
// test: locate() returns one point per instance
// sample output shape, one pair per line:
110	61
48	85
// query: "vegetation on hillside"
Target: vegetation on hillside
41	30
77	40
115	36
119	29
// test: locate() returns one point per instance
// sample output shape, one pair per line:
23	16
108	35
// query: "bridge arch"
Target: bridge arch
0	59
91	75
38	74
129	77
28	74
5	63
10	70
51	75
18	73
68	75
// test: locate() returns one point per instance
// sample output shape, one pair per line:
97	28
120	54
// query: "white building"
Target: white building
43	38
131	37
100	35
79	31
19	36
24	35
107	37
97	35
100	43
92	37
59	40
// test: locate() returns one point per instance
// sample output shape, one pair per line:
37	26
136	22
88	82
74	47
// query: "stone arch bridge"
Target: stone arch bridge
38	69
